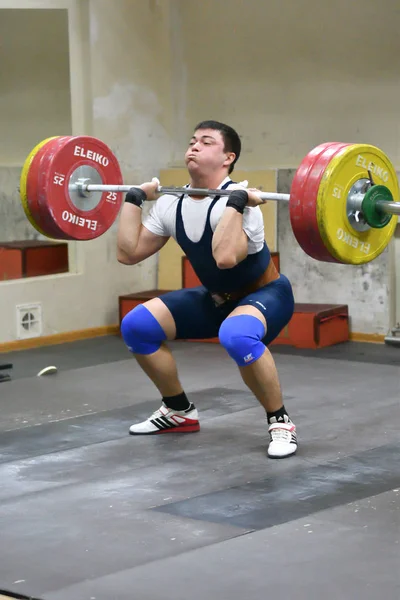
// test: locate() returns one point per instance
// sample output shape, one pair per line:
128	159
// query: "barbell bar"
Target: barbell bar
83	189
384	206
356	202
341	201
392	208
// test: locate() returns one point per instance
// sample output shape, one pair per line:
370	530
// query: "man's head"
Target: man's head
213	146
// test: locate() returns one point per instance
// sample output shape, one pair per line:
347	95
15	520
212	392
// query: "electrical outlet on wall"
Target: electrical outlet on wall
29	320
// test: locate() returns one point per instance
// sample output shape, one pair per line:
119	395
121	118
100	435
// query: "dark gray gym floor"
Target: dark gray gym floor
88	512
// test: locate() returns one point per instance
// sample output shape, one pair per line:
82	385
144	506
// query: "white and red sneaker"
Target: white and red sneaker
283	438
165	420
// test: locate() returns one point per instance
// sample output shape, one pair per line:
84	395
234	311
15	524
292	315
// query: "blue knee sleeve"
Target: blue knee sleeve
141	331
241	337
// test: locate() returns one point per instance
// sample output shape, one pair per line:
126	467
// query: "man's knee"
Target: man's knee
241	337
141	331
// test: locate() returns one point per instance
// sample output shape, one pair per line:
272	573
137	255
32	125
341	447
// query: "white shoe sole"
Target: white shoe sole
278	456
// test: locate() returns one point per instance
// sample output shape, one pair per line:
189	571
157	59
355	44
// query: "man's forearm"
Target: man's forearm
129	225
227	244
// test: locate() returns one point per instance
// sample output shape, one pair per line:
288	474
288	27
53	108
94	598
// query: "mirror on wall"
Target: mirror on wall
35	103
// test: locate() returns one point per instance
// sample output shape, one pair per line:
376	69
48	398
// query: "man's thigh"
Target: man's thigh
276	303
194	312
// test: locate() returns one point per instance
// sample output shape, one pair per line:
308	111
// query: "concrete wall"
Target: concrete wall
34	80
120	92
291	74
35	101
365	288
288	75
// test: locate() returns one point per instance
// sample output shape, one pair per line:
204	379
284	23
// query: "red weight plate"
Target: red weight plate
32	192
303	199
56	206
40	200
301	227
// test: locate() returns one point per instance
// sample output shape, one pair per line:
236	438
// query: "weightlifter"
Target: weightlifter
243	299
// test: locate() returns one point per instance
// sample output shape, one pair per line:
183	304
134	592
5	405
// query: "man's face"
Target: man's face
206	153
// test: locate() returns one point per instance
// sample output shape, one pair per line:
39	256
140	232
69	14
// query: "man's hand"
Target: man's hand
150	188
254	198
252	193
134	241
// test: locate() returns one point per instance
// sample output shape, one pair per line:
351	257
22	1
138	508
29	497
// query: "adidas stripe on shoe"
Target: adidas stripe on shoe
166	420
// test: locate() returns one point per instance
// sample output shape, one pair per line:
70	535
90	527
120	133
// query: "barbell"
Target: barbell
341	202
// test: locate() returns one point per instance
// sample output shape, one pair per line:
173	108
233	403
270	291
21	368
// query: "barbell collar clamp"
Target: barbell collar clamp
80	186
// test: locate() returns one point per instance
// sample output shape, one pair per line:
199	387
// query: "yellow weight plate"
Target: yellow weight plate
24	179
346	244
